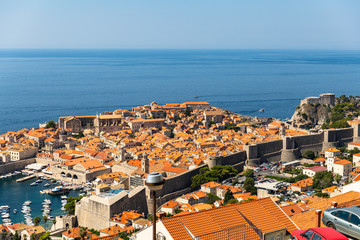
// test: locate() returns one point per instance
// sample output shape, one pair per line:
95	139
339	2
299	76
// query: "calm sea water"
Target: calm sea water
14	194
40	85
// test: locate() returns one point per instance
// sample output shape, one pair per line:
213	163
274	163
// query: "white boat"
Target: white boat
15	211
4	207
63	197
47	201
46	184
63	209
34	184
27	203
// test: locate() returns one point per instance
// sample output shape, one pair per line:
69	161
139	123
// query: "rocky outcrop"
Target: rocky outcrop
311	115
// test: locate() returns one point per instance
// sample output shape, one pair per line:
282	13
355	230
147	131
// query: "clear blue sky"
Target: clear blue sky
234	24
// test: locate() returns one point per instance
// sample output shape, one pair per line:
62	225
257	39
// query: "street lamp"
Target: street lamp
154	181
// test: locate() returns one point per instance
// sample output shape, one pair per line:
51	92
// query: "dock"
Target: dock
26	178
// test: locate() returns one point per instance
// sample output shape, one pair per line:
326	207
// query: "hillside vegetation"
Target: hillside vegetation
322	116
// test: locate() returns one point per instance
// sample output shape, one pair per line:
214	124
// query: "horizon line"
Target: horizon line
192	49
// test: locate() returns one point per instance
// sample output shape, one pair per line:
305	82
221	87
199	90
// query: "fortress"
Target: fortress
325	98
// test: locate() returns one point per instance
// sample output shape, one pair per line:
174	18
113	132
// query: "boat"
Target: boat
26	203
77	188
63	209
64	197
15	211
58	190
196	96
34	184
261	110
46	184
39	181
47	201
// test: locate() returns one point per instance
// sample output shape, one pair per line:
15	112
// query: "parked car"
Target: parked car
320	233
345	220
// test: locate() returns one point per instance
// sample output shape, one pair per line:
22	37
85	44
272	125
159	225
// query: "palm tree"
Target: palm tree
37	220
45	220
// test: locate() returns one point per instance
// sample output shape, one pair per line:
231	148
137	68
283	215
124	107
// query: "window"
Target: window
343	215
334	213
354	220
308	234
316	237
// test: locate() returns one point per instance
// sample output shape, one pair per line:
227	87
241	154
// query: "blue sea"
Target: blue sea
14	194
41	85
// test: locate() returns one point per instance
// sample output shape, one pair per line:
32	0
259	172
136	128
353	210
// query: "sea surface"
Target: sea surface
41	85
14	194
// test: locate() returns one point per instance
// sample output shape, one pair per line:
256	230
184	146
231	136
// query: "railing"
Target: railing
241	232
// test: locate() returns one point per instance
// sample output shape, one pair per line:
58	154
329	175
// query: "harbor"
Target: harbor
23	198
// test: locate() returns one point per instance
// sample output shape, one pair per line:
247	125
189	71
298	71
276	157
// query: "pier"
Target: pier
26	178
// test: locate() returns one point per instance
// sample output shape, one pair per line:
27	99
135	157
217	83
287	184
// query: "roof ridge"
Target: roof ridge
285	214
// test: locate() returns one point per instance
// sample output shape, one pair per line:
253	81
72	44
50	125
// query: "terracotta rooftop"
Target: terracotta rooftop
263	214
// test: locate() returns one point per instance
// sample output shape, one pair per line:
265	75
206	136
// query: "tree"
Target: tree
322	180
212	198
337	178
37	220
33	236
16	236
188	112
3	235
123	235
54	221
217	173
70	205
51	124
249	173
228	195
249	185
309	154
45	236
232	201
82	232
45	218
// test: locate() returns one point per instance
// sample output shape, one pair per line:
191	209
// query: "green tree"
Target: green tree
309	154
3	235
123	235
228	195
217	173
51	124
337	178
37	220
323	180
45	236
188	112
232	201
16	236
54	221
45	218
79	135
249	185
82	232
33	236
212	198
70	205
249	173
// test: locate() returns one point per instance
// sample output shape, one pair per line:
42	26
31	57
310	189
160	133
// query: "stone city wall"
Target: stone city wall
17	165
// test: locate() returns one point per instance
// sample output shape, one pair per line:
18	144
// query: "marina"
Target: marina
23	200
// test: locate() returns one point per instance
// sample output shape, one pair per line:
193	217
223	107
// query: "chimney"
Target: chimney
334	204
318	217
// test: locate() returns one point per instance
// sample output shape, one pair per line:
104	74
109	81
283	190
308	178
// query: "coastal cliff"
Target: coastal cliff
314	114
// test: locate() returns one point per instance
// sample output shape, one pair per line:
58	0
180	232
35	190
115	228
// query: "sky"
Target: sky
185	24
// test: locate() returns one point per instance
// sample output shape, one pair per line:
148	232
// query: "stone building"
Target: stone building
325	98
22	152
138	124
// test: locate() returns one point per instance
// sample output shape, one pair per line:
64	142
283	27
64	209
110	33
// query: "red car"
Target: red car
320	233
